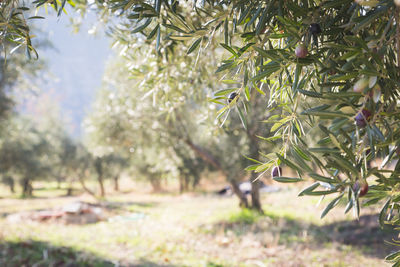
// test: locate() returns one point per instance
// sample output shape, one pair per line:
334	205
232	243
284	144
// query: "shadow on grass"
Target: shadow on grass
364	234
35	253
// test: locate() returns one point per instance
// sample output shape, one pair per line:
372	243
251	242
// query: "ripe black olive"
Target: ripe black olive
315	28
363	117
232	96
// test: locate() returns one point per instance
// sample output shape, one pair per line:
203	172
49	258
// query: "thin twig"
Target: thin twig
398	36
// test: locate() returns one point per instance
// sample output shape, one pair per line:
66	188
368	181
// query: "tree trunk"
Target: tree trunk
207	157
156	184
242	197
101	184
99	169
70	188
184	183
187	182
59	182
255	193
82	182
255	184
69	191
9	181
116	182
27	187
11	185
181	186
195	183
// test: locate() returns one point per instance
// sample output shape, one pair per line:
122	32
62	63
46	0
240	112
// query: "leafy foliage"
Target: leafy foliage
24	154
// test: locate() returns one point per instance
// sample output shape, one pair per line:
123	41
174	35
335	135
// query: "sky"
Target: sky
76	64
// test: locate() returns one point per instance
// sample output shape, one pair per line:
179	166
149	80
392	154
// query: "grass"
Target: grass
193	230
244	216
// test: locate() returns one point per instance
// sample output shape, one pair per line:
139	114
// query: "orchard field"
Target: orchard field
199	133
191	229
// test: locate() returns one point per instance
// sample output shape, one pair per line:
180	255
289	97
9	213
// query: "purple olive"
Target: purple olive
363	117
276	172
361	185
364	190
301	51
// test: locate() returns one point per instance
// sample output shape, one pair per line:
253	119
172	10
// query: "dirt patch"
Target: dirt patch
72	213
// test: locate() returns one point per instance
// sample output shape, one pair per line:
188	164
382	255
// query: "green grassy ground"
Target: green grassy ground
194	230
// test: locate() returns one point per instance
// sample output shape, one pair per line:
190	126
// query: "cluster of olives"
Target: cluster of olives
363	117
371	89
301	50
368	84
361	185
365	85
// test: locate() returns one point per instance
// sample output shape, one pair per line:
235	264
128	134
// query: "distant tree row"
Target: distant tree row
45	152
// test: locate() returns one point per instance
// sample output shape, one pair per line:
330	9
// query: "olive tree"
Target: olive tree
124	123
24	153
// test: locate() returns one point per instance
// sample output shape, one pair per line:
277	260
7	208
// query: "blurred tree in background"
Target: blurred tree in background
180	138
24	154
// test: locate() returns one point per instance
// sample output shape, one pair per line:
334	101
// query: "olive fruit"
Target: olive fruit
301	51
376	93
232	96
264	30
364	190
360	85
276	172
361	185
315	28
363	117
